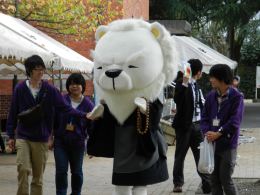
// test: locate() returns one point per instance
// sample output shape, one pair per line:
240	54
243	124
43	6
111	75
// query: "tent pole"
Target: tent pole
60	79
15	81
52	74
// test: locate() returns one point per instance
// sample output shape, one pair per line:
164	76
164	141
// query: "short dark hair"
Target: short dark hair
32	62
76	78
221	72
195	65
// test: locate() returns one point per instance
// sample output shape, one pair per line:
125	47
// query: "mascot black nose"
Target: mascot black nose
113	73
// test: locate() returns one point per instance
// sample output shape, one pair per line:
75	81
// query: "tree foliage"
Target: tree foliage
229	17
101	12
60	17
250	52
228	26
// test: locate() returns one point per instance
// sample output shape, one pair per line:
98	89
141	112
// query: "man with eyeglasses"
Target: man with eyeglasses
32	139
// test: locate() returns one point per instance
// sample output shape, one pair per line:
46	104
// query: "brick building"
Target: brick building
131	9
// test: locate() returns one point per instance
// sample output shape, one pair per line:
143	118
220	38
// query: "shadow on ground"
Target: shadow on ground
246	186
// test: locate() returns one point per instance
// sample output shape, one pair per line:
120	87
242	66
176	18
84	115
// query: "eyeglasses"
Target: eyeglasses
39	69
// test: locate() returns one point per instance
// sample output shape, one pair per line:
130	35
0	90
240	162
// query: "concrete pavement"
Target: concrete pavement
251	116
97	172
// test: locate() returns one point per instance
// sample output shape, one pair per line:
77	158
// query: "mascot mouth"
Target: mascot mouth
114	79
113	73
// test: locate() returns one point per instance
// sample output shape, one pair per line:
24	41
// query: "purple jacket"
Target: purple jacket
22	100
81	125
230	116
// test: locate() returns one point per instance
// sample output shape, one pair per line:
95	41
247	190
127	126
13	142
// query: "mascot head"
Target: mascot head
132	58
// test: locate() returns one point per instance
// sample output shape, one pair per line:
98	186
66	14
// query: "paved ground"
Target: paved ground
97	172
251	116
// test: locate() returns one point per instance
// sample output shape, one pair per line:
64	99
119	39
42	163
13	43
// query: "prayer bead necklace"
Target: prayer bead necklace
139	120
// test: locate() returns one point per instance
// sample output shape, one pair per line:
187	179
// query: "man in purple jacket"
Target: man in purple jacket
32	139
220	122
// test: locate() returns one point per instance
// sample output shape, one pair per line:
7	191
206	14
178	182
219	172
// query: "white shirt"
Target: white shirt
34	91
75	104
200	98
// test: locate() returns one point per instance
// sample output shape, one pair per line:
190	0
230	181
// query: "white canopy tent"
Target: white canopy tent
19	40
189	47
17	69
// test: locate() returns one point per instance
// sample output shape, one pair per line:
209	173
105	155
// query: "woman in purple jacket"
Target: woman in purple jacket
220	122
32	137
70	135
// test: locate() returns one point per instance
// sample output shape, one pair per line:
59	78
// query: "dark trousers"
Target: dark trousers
66	155
185	139
2	144
221	177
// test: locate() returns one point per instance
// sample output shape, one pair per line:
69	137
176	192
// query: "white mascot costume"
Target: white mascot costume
133	61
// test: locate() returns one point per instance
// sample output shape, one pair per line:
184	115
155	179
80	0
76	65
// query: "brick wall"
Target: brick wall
5	101
6	87
89	88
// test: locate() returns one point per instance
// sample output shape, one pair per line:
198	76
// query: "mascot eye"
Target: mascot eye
132	66
100	67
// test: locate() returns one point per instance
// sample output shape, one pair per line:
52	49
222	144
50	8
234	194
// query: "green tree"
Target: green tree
229	17
250	52
78	18
101	12
234	17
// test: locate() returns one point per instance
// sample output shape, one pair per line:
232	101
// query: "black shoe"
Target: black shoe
206	188
206	191
177	189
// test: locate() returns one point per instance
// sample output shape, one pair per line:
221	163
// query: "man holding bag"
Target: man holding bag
220	122
37	99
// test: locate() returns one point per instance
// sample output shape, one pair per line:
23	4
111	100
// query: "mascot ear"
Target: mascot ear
157	30
101	30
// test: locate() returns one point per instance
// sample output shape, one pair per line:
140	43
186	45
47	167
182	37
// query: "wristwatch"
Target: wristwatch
220	130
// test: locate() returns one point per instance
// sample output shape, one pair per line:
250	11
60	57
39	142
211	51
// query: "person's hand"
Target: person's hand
141	103
185	80
11	144
97	112
50	143
212	136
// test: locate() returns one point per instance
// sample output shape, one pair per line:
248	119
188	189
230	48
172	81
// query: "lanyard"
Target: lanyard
221	99
196	92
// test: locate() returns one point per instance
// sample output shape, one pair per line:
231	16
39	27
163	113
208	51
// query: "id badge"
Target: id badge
215	122
70	127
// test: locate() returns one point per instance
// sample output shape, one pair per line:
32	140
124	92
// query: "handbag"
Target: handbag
33	115
101	136
206	161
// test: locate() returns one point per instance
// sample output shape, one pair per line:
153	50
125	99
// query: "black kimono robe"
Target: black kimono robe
138	159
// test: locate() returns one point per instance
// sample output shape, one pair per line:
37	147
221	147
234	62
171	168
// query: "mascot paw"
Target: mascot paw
97	112
141	103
